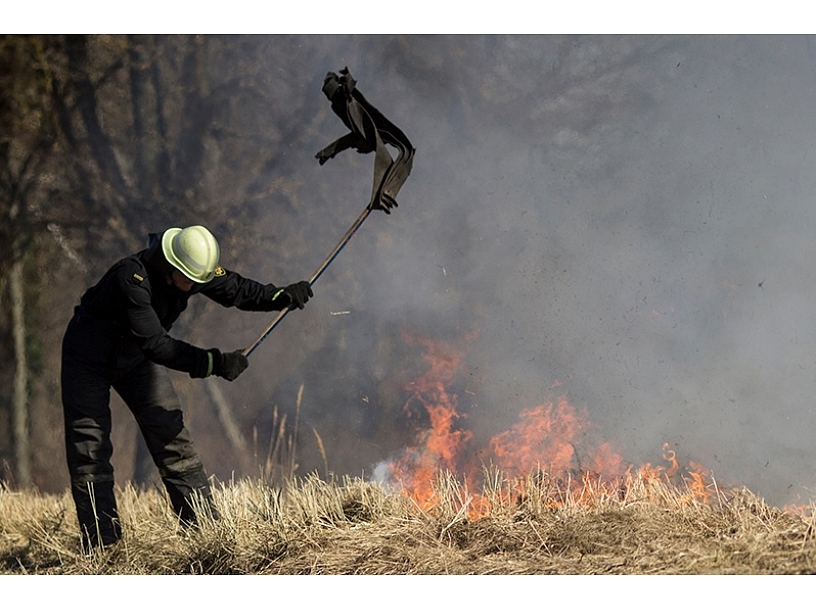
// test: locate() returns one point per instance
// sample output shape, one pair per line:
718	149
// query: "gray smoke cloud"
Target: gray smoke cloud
628	218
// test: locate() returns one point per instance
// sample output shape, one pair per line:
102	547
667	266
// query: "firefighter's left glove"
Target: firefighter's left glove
228	365
295	295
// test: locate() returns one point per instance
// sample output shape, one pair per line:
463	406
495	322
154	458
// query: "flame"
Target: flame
552	440
439	446
696	480
546	436
671	457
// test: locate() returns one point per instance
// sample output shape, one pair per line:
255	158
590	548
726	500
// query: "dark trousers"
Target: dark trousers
146	389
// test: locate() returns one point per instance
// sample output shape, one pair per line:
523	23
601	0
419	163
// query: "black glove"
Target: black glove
297	294
229	365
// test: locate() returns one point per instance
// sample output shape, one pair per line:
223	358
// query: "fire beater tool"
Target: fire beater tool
369	132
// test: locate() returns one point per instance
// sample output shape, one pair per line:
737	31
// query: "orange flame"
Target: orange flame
552	438
439	446
670	456
546	437
696	481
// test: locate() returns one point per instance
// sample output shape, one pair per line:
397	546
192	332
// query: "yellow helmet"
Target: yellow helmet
193	251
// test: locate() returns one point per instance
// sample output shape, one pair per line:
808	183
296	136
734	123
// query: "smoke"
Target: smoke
626	219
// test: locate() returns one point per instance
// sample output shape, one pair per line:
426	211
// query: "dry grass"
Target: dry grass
534	526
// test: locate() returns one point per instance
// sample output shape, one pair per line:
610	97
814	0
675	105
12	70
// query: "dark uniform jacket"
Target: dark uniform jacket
128	314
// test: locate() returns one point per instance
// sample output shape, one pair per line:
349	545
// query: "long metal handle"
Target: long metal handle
326	262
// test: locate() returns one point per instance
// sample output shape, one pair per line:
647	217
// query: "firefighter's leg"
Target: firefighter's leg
150	395
86	407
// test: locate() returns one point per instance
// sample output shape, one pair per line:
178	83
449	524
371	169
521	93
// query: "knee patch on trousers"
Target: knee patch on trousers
183	467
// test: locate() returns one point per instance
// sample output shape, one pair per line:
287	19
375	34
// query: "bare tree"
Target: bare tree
28	138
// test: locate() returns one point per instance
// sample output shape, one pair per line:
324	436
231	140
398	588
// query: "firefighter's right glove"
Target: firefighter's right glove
295	295
229	365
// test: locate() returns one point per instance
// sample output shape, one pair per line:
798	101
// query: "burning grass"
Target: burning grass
586	513
535	525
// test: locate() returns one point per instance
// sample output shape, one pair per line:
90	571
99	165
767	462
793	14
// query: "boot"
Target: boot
97	514
190	495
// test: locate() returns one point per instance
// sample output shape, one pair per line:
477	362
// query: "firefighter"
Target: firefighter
119	338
